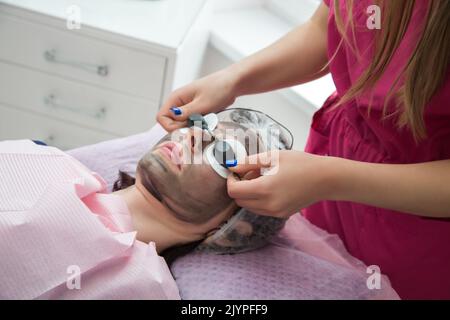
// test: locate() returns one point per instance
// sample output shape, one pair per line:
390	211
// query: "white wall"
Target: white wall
221	5
271	103
294	11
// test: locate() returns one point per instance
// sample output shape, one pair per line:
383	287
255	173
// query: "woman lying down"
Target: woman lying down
64	237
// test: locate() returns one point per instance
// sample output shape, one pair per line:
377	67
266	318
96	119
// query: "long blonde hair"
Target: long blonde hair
424	72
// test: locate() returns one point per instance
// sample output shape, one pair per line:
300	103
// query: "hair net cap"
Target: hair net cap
245	230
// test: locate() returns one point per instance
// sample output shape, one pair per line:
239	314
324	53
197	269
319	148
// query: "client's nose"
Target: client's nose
193	141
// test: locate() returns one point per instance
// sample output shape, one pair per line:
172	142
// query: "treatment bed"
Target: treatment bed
302	262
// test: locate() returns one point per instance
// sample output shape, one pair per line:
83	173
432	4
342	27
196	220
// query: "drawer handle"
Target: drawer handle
51	101
101	70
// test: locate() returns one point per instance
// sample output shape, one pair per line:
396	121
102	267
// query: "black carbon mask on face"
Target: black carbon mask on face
195	194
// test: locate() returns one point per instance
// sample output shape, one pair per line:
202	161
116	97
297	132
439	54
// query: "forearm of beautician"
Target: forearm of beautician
296	58
420	189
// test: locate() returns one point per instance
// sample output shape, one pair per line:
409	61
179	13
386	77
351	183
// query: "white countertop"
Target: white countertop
163	22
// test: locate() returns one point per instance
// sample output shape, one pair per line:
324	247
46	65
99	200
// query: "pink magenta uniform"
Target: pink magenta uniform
412	251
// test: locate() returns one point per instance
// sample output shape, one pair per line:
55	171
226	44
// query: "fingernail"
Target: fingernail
176	111
231	163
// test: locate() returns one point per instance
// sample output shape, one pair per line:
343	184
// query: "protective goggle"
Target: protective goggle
224	153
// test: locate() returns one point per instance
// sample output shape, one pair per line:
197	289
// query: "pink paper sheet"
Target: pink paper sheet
48	233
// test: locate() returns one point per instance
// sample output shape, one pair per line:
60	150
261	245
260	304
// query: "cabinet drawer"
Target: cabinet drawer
71	101
18	124
70	54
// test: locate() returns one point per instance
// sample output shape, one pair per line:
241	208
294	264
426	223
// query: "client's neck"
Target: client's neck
148	229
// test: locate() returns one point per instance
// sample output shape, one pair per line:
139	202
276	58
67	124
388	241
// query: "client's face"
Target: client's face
177	173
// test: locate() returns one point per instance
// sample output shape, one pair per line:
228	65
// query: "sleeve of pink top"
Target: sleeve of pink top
53	246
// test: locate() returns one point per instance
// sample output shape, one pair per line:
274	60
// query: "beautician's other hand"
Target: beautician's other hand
296	180
212	93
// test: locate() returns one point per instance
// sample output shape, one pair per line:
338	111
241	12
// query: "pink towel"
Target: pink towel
62	237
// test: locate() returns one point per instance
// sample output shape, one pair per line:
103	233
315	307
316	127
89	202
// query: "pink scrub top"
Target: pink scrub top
412	251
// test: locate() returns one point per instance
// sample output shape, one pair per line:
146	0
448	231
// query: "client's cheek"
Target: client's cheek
215	194
212	187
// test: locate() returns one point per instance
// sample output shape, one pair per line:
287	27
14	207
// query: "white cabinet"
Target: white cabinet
106	79
18	124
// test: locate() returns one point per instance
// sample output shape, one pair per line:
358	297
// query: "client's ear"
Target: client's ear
209	236
213	231
228	236
243	232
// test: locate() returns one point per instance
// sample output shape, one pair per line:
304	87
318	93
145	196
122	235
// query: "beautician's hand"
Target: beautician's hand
301	179
212	93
